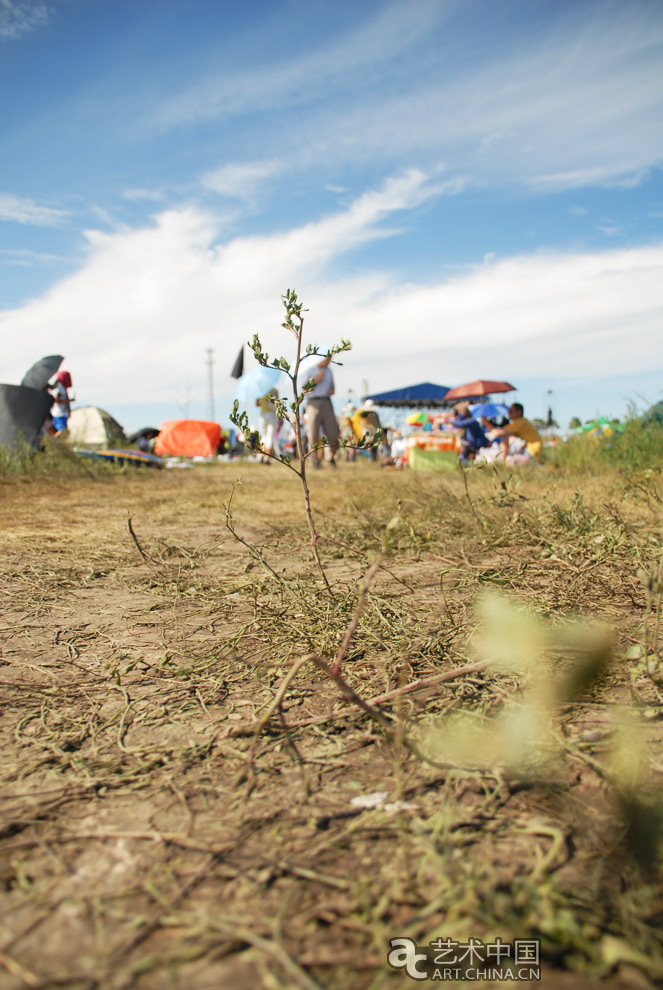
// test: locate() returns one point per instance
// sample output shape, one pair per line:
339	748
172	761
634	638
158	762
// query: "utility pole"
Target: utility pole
210	384
551	412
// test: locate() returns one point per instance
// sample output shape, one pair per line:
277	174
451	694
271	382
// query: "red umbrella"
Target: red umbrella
477	389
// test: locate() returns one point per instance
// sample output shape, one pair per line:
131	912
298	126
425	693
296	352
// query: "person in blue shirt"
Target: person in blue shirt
474	436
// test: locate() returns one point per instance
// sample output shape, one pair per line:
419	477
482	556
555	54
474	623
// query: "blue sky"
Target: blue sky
465	189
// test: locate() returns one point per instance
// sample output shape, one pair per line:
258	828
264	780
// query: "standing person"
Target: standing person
268	425
61	408
319	413
366	423
520	427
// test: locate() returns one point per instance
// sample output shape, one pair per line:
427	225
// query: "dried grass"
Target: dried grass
171	818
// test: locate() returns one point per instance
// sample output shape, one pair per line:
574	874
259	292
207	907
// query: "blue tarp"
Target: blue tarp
425	395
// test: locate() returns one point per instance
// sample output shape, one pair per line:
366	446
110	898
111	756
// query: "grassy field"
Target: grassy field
189	799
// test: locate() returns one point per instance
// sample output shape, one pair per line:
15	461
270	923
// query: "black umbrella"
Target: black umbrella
41	373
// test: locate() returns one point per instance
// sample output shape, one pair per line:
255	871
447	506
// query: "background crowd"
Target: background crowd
511	438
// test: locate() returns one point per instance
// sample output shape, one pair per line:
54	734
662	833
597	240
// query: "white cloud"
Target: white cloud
135	320
546	314
28	258
609	229
20	210
556	115
138	195
18	17
301	78
239	180
577	104
609	177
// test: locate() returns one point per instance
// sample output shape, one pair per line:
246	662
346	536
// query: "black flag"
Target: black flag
238	367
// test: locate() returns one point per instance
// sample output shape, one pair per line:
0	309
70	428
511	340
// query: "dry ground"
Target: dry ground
151	837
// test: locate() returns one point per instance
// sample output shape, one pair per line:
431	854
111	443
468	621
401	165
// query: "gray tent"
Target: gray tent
24	407
91	426
22	414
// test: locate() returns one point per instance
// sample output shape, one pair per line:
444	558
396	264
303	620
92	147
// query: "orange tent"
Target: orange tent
188	438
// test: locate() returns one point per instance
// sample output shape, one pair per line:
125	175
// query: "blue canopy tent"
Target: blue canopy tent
423	396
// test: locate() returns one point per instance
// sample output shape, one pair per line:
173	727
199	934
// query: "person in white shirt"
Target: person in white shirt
319	414
61	409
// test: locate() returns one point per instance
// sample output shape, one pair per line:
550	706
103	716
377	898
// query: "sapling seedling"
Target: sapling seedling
291	411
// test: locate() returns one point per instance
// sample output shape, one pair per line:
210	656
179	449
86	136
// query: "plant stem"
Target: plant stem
350	631
302	459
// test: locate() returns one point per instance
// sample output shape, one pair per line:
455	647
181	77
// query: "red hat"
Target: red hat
64	378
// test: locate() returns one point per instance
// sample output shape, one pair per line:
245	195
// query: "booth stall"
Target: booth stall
429	446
